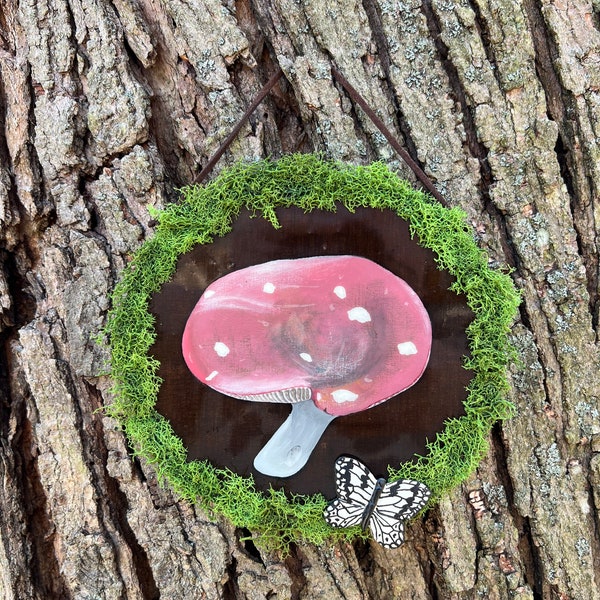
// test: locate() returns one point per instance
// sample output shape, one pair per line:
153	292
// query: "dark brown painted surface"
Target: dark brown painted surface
230	432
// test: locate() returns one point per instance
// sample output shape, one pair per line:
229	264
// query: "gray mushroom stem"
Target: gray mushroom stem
291	445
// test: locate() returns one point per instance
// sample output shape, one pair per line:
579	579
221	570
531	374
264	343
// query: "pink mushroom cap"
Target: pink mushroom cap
340	330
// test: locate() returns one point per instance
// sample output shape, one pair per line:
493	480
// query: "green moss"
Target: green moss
308	182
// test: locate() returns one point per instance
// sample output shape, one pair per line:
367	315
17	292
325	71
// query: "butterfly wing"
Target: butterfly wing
341	513
354	486
387	531
399	501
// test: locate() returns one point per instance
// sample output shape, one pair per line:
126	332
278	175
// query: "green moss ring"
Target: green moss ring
310	183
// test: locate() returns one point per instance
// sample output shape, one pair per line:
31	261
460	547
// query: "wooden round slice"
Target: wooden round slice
230	431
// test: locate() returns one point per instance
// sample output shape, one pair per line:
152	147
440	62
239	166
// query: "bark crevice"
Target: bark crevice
115	500
475	147
486	41
244	538
295	567
521	523
231	588
373	12
531	559
562	109
44	564
46	579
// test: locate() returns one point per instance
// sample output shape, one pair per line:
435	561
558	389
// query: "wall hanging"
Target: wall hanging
313	350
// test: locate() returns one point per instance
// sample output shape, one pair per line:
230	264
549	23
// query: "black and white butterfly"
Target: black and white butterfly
364	500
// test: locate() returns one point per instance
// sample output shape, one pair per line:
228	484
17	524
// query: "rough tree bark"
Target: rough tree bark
108	106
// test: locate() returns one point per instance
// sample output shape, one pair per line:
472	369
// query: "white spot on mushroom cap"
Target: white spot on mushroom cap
221	349
340	291
360	314
306	356
209	293
341	396
268	288
212	375
407	348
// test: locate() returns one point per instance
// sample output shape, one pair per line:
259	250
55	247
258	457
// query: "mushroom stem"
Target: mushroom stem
291	445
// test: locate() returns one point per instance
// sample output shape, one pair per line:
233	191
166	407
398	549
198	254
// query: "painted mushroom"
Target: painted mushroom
331	335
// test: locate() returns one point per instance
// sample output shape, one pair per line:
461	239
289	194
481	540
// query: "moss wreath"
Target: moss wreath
309	182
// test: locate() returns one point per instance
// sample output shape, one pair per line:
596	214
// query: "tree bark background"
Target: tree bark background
108	106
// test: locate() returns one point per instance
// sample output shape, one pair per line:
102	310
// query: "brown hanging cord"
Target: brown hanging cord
419	173
226	143
356	97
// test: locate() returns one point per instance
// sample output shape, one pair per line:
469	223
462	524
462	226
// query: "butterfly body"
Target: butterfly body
368	512
376	504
